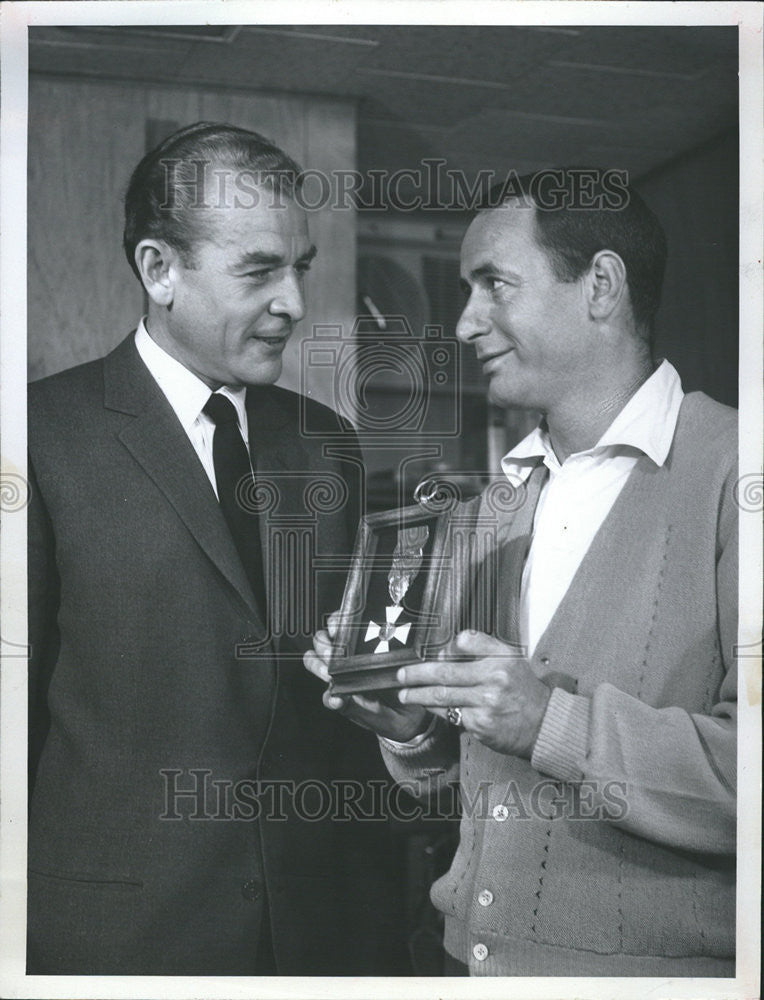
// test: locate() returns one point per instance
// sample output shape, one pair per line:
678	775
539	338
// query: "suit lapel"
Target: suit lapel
273	431
282	468
159	444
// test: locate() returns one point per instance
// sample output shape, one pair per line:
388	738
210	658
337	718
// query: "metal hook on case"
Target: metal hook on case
426	491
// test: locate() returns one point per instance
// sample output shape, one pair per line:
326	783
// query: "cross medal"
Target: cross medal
407	561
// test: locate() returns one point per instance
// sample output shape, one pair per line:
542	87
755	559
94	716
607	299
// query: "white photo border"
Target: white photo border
15	19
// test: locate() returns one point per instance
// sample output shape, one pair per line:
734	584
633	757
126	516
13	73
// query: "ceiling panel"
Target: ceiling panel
480	96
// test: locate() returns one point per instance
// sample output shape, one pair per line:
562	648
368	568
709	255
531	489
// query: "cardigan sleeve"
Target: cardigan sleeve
676	771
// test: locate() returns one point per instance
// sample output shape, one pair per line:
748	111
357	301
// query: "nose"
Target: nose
288	299
473	322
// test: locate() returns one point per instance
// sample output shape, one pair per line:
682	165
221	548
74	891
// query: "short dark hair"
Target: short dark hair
166	183
583	210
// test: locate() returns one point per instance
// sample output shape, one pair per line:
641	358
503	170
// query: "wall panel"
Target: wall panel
331	284
82	297
696	199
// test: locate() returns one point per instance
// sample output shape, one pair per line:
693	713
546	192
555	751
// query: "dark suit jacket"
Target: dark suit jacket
152	675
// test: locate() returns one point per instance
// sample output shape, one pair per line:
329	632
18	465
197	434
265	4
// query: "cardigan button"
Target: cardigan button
500	813
545	660
480	952
485	897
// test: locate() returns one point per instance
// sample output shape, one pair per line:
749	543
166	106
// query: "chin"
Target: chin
506	396
501	395
265	373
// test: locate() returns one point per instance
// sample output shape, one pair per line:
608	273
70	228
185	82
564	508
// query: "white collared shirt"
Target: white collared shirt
187	395
579	493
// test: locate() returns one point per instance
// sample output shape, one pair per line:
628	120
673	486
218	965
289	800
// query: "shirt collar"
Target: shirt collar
647	422
185	392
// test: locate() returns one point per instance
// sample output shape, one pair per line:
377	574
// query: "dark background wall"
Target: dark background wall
696	199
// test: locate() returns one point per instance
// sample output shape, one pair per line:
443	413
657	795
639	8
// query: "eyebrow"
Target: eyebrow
309	254
490	270
259	258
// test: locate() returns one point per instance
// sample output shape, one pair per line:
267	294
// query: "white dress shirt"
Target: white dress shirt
579	493
187	395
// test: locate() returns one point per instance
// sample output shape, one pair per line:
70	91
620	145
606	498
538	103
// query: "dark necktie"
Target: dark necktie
235	485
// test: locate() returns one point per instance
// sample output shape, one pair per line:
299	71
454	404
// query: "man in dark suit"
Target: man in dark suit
180	760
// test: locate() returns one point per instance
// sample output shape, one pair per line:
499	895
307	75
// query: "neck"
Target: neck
577	424
159	333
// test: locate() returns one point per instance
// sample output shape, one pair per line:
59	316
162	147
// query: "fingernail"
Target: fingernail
402	696
401	676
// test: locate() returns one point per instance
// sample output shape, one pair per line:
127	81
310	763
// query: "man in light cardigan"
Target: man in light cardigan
592	724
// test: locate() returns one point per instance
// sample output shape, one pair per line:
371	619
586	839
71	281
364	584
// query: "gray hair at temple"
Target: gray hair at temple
170	182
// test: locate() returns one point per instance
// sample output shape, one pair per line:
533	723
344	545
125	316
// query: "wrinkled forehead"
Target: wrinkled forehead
238	214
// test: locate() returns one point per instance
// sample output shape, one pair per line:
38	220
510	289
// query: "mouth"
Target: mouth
490	361
273	340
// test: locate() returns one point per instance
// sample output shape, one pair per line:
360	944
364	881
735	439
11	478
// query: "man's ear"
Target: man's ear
605	284
156	262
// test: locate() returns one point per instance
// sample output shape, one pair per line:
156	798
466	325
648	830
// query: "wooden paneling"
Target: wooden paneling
82	296
330	288
85	137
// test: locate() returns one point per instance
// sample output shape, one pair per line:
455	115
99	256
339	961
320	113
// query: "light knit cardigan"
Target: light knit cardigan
641	723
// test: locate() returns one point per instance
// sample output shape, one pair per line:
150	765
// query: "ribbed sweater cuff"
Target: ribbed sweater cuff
411	744
420	747
563	740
